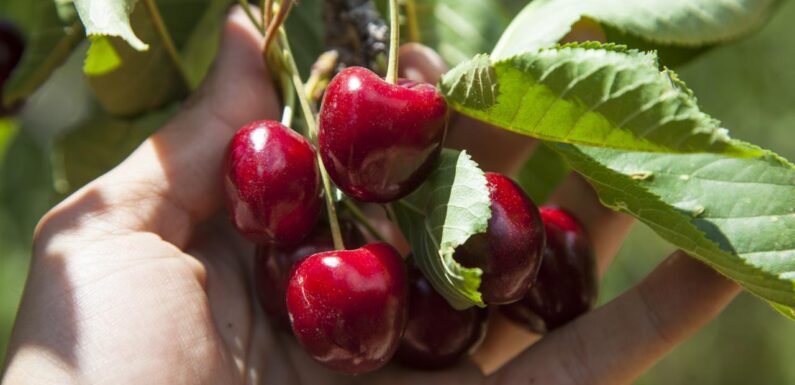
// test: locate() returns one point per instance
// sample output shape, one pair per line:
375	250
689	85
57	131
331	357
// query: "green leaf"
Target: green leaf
664	22
8	131
737	215
101	57
456	29
542	174
148	80
472	85
99	144
784	310
48	44
109	18
452	205
306	28
595	94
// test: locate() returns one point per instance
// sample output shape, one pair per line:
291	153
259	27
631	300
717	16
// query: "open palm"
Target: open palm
137	277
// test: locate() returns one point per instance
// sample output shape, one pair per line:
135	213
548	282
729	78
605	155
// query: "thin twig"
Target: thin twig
412	25
309	117
268	12
168	42
394	42
274	25
247	10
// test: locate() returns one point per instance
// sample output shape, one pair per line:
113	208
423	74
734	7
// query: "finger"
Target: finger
173	180
619	341
493	148
420	63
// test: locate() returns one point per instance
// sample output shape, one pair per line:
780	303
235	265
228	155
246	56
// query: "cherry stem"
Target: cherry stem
411	21
275	24
394	42
267	12
247	10
361	218
287	112
390	212
168	42
311	123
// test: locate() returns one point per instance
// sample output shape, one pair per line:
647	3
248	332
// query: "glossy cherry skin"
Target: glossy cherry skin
379	141
272	183
273	264
437	335
566	286
348	308
11	48
509	252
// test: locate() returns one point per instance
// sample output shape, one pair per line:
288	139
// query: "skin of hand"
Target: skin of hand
139	278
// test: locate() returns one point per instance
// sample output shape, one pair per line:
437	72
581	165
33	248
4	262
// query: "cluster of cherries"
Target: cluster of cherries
353	310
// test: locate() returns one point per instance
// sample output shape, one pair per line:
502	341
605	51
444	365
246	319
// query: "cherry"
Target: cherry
379	141
11	47
272	183
272	266
437	335
509	252
566	285
348	307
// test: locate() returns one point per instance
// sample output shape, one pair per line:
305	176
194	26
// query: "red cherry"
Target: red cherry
379	141
272	266
272	183
348	307
566	285
509	252
437	335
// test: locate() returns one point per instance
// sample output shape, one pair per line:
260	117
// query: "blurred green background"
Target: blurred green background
749	85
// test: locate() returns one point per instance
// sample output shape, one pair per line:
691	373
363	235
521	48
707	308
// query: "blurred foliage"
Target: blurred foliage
748	84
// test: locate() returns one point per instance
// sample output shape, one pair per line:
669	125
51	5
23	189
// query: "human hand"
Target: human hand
137	278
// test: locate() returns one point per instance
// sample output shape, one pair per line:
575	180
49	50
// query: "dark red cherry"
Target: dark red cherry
437	335
566	285
379	141
272	266
509	252
272	183
11	47
348	308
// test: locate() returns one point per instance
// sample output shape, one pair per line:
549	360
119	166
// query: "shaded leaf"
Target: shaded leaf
736	215
149	80
8	131
48	43
456	29
686	23
109	18
305	27
542	174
